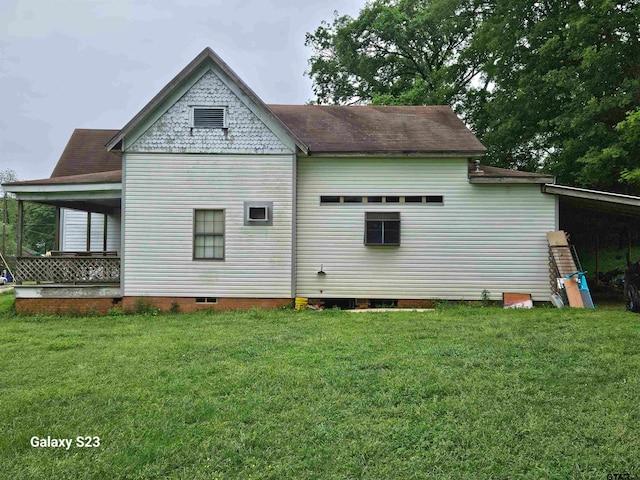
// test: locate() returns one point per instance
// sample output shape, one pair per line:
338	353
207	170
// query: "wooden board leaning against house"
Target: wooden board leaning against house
563	259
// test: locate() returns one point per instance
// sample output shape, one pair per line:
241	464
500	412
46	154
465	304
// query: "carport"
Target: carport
594	218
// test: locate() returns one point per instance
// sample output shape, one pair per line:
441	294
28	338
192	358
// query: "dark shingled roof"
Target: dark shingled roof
86	153
383	129
84	160
324	129
114	176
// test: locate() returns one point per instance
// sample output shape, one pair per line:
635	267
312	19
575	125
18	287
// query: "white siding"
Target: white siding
73	231
484	236
160	195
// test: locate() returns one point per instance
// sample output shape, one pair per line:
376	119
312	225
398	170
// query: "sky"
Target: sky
67	64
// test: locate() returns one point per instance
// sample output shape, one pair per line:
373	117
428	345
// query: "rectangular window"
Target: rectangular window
342	199
382	228
206	300
209	117
208	235
329	199
258	213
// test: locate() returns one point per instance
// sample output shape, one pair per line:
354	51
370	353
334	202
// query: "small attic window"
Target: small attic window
209	117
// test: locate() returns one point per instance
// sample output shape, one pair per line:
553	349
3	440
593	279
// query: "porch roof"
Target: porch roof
114	176
93	192
87	177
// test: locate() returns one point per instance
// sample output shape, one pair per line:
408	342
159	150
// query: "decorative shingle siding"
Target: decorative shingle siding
171	133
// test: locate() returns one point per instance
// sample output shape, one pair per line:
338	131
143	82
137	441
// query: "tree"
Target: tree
566	83
6	176
39	227
38	224
397	52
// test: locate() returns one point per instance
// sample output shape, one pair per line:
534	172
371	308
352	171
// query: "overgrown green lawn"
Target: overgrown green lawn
462	392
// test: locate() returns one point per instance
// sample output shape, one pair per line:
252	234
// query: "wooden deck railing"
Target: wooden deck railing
70	268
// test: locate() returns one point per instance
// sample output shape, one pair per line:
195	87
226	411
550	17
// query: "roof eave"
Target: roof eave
107	187
586	194
542	180
399	153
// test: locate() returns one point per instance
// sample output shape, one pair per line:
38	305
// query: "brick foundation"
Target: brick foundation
62	306
416	304
190	304
80	306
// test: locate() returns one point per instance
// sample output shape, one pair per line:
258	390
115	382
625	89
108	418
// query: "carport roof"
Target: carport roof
598	200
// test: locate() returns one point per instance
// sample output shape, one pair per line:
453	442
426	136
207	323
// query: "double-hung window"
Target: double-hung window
382	228
208	235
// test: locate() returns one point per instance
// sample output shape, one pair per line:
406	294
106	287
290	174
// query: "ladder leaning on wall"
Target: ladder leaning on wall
567	277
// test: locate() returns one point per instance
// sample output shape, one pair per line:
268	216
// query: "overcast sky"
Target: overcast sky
68	64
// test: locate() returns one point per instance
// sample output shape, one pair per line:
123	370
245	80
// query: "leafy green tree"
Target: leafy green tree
397	52
39	227
9	214
39	222
565	75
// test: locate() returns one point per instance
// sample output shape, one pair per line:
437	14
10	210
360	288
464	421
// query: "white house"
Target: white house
210	198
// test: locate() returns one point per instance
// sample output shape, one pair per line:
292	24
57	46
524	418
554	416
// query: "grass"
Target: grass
461	392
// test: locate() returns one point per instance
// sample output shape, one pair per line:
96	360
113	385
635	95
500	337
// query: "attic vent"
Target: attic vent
209	117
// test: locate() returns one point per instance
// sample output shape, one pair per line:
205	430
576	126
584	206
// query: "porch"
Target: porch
68	281
73	268
84	262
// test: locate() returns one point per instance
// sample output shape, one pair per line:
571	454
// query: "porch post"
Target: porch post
56	240
4	225
104	233
88	231
20	227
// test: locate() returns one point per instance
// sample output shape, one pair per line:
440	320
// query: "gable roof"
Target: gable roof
315	129
380	129
207	55
325	129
